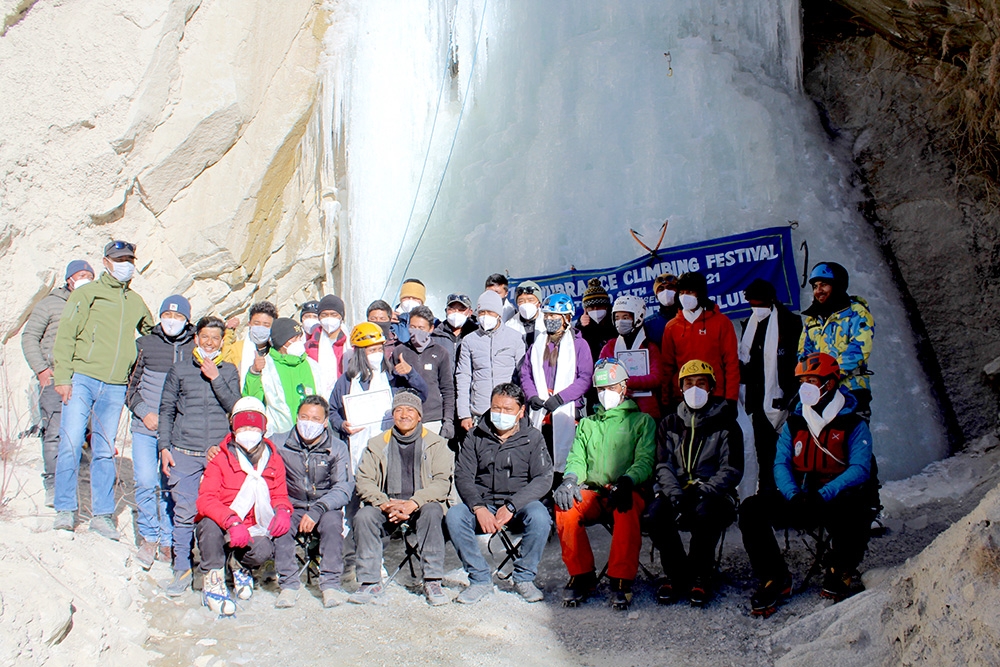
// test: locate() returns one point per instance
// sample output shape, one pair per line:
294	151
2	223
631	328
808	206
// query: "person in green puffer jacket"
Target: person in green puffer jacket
611	457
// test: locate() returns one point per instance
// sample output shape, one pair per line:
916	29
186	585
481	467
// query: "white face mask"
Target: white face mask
122	271
457	319
597	315
375	360
208	355
80	283
489	322
330	324
666	297
406	305
623	326
609	398
689	301
502	420
296	349
259	335
309	430
760	314
172	327
249	439
310	325
695	397
527	311
809	394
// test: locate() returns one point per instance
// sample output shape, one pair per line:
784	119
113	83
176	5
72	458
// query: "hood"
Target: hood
286	359
712	409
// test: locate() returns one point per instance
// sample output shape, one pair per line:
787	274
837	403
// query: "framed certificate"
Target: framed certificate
368	408
636	362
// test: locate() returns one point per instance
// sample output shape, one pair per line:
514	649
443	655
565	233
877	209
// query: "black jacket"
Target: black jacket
438	372
319	476
194	412
489	472
598	333
713	454
752	373
155	354
443	336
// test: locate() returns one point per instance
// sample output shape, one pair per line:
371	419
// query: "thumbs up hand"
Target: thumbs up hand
403	368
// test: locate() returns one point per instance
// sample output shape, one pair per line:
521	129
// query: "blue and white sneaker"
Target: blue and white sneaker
215	595
242	583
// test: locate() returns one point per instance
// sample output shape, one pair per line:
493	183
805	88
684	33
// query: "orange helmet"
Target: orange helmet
819	364
366	334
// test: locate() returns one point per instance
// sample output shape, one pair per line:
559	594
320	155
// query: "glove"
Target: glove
239	536
732	408
447	429
536	403
280	523
555	400
564	495
621	494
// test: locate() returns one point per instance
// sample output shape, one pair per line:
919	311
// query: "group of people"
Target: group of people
508	415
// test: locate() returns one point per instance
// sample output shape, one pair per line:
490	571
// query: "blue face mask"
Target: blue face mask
503	421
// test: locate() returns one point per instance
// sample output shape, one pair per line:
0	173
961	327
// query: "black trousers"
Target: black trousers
213	546
705	517
765	441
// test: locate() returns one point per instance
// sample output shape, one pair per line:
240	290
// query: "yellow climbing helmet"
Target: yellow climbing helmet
366	334
696	367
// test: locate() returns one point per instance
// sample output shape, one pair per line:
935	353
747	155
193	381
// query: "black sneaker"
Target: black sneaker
839	586
621	594
765	601
579	588
670	591
700	592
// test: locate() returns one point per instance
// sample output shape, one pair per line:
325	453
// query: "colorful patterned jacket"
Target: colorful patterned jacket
846	335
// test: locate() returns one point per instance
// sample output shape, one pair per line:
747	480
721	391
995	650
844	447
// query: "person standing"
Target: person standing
171	341
249	352
37	340
665	289
309	317
458	323
328	343
595	325
434	366
529	323
497	282
645	389
94	350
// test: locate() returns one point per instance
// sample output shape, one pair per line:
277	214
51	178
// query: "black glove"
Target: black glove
802	510
447	429
566	492
555	400
536	403
732	408
815	503
621	494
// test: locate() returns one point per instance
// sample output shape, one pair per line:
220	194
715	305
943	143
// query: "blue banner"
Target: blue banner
729	265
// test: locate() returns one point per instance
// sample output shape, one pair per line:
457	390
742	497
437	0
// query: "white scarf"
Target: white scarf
817	422
772	391
692	315
517	325
564	418
359	440
249	353
327	360
279	415
254	493
620	347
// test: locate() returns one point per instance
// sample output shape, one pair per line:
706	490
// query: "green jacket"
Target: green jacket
97	331
297	381
613	443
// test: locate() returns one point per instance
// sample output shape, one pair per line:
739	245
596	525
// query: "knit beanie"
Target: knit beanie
595	295
332	302
283	330
409	399
413	290
491	301
76	266
663	281
176	304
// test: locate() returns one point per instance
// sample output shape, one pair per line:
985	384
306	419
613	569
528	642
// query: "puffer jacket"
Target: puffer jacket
318	476
612	443
194	412
97	331
223	479
485	359
704	445
846	335
39	334
491	472
437	469
710	338
444	336
156	354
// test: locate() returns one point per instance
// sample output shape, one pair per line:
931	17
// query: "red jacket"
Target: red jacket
710	338
652	382
223	478
312	348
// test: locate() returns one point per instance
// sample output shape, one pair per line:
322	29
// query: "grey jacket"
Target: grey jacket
194	412
485	359
437	469
709	443
319	476
39	334
155	354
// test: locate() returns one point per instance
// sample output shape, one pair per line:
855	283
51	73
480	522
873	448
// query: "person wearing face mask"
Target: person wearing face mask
37	340
458	323
700	331
502	473
611	458
170	341
251	351
380	314
320	484
699	463
768	354
309	316
528	323
199	392
93	353
287	377
665	290
434	365
556	374
826	477
243	507
412	293
596	324
843	327
328	342
489	356
629	314
497	282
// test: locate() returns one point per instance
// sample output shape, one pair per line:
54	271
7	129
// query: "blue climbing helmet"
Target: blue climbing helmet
832	273
559	304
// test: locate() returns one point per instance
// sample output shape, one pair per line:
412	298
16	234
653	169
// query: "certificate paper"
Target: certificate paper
368	408
636	362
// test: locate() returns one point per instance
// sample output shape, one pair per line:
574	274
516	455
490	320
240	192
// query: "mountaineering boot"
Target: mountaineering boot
215	595
146	554
180	584
579	588
50	496
65	521
839	586
621	594
165	554
700	591
242	583
671	590
104	525
765	601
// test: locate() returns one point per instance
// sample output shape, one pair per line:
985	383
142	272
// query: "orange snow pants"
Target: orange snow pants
626	539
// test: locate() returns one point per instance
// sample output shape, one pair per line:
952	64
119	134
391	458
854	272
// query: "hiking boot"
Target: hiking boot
103	525
286	598
700	592
146	554
670	591
165	555
242	583
65	521
474	593
839	586
215	595
366	594
528	591
334	597
434	593
621	594
50	496
765	601
180	584
579	588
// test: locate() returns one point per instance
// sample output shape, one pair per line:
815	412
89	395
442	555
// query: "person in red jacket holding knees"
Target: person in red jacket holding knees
242	506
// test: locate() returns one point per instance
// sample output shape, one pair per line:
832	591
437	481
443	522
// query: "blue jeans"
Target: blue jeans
100	404
183	483
152	514
533	518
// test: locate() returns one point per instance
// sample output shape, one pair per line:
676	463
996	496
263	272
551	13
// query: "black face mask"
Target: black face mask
386	327
553	326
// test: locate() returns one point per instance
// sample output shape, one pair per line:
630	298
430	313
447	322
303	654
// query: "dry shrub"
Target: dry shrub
986	555
11	424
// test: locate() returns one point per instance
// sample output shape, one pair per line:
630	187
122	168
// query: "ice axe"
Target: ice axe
652	251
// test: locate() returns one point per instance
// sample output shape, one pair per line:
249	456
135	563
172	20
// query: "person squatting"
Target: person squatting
511	414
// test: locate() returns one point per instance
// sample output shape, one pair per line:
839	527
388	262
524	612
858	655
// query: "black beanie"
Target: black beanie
283	330
693	282
332	302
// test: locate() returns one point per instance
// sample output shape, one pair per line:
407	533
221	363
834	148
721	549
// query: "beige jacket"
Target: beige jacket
437	470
